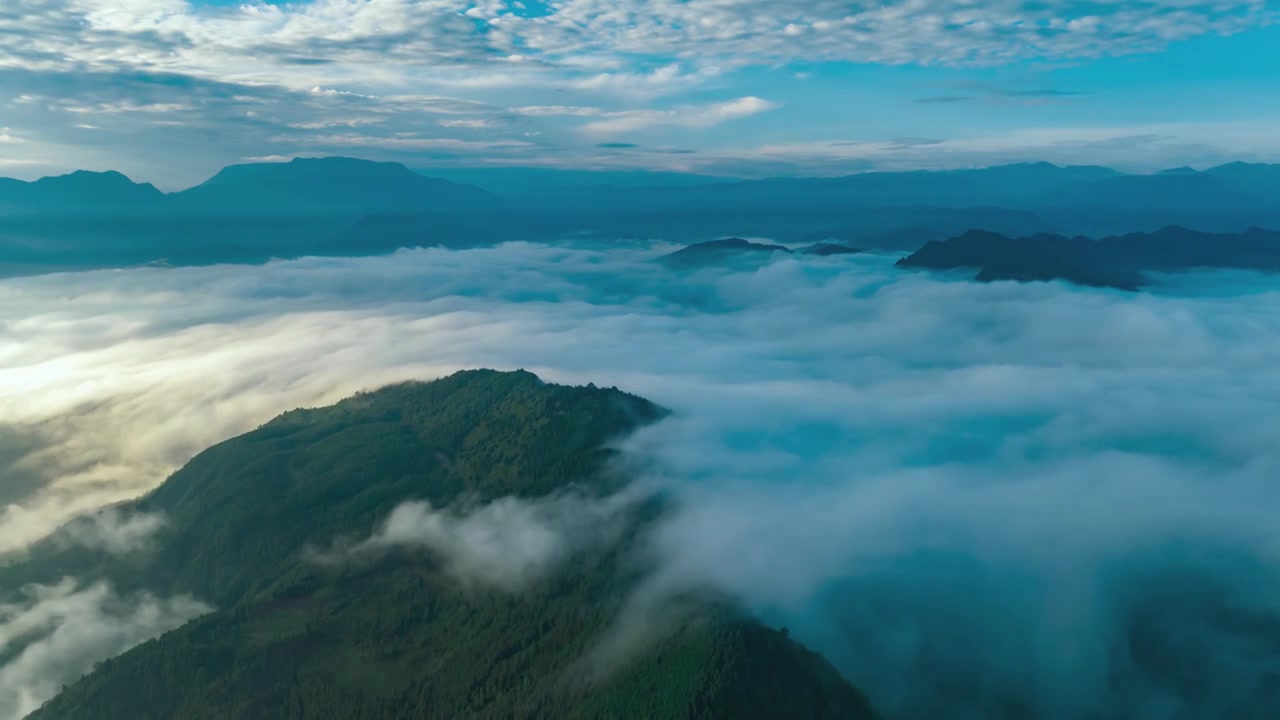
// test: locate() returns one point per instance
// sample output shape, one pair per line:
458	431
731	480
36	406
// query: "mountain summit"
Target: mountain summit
80	192
418	630
329	185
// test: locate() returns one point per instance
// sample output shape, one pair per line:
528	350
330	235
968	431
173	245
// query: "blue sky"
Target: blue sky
170	90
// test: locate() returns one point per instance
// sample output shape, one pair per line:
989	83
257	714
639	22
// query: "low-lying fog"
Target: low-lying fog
975	499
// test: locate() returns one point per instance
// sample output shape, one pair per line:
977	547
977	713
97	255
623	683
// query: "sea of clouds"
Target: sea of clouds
976	500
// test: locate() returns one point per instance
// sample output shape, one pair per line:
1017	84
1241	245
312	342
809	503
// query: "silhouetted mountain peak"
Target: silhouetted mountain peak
345	169
330	184
1172	230
736	244
1245	170
722	250
976	237
91	179
84	176
1044	169
81	191
829	249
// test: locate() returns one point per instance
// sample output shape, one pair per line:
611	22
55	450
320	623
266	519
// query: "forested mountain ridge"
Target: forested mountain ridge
336	206
397	634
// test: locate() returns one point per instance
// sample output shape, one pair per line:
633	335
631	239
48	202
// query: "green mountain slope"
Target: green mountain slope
397	635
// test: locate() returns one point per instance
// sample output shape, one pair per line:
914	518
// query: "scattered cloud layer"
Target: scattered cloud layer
82	80
987	490
300	43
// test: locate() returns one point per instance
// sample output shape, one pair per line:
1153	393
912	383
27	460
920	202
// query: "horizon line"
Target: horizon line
424	170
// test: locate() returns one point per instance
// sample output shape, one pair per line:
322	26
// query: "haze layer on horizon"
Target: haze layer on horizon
170	90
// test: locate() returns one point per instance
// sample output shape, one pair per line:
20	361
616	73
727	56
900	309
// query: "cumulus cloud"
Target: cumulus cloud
969	496
296	43
553	110
621	121
55	634
508	543
244	73
469	123
697	117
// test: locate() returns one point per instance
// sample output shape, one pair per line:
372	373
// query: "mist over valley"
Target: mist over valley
1062	491
639	360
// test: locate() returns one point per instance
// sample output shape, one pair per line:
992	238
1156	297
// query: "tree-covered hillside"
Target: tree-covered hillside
251	527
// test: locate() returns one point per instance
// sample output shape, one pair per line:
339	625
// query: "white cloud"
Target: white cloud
620	121
694	117
664	80
110	530
469	123
554	110
337	122
924	477
127	107
311	66
58	632
508	543
382	41
268	159
752	30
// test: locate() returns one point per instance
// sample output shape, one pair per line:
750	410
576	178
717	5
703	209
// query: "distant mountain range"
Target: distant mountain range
323	186
1116	262
337	184
1004	186
1081	198
253	212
